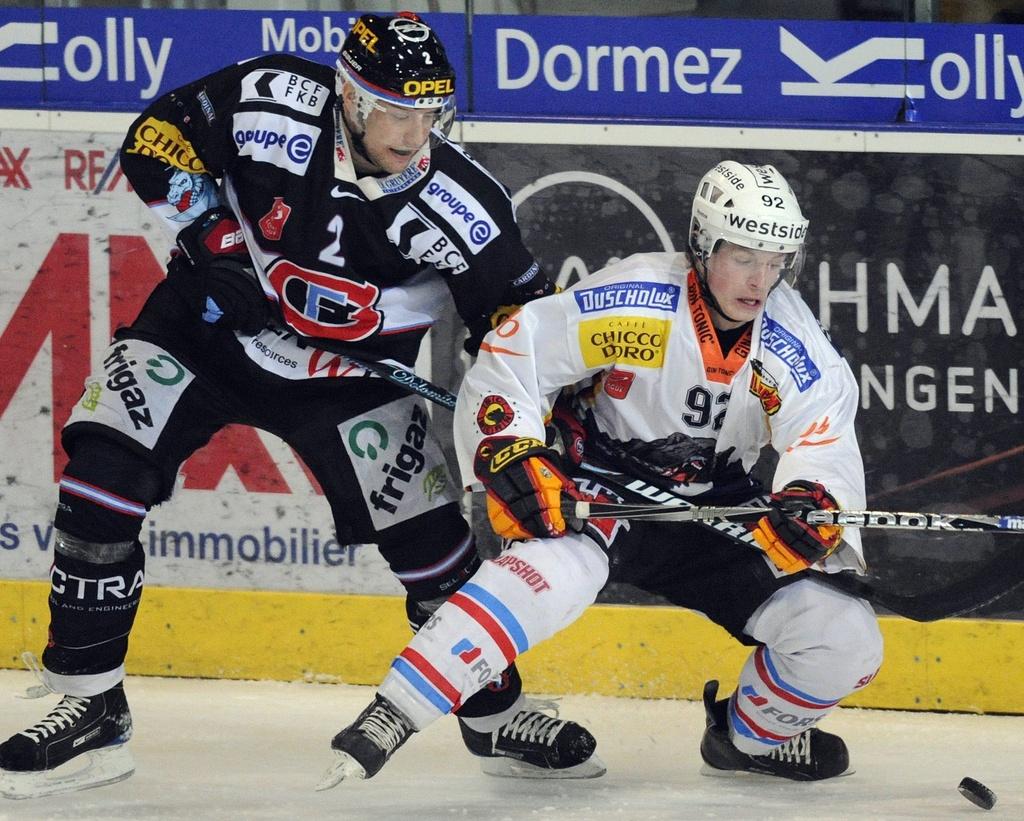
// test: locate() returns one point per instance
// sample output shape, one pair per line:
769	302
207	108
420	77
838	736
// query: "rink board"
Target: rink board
80	227
641	652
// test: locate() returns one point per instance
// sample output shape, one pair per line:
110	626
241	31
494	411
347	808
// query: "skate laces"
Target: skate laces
65	714
796	750
384	728
531	725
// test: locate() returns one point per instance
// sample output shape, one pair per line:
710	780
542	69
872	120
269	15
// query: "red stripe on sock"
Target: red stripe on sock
761	731
762	671
431	674
487	622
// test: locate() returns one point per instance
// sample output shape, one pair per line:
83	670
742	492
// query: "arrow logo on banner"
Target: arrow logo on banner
28	34
827	73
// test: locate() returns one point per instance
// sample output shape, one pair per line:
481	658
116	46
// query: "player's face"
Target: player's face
393	135
740	279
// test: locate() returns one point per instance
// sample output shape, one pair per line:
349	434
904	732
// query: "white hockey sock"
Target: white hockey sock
529	593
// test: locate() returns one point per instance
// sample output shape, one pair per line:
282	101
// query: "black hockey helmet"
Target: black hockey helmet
397	60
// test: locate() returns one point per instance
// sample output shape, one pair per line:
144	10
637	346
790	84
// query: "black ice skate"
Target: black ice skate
80	744
367	743
810	756
534	745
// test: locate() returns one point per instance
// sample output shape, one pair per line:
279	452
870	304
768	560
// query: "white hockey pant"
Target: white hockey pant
819	645
530	592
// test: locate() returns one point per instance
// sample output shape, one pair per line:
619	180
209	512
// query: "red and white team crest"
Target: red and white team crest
495	414
318	304
272	223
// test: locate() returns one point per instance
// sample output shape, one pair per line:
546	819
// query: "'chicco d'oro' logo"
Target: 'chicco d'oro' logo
160	139
624	340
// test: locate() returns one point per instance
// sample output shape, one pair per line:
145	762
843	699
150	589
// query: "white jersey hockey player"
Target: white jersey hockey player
679	370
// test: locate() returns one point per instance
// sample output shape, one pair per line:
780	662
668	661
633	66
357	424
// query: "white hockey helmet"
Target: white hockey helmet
748	205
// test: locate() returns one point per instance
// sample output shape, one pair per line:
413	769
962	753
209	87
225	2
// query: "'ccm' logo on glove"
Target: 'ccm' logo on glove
525	488
791	543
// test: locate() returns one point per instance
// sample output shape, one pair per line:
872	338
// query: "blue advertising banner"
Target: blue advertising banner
665	69
748	70
119	60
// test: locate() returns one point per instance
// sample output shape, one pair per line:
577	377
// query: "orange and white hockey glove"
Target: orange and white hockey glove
791	543
525	488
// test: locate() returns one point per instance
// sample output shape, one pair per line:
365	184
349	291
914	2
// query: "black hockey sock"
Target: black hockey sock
496	697
92	608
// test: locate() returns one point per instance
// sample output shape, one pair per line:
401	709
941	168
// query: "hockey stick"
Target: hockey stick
989	582
661	512
992	580
943	522
403	377
894	520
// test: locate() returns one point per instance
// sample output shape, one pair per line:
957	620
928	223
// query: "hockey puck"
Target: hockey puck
977	793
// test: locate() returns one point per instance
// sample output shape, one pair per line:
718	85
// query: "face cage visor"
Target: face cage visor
705	241
370	97
789	270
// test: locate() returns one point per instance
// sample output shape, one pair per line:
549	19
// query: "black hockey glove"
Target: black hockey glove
565	433
532	285
216	274
791	543
525	488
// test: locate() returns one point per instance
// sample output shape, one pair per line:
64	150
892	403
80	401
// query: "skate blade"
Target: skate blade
344	766
95	768
714	772
504	767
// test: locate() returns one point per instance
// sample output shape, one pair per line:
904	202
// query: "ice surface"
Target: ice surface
255	750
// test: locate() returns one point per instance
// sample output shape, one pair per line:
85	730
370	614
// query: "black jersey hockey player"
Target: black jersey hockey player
317	213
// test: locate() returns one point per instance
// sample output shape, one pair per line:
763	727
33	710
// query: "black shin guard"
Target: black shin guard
92	608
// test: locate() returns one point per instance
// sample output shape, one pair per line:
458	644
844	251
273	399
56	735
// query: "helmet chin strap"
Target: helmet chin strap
355	137
709	298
